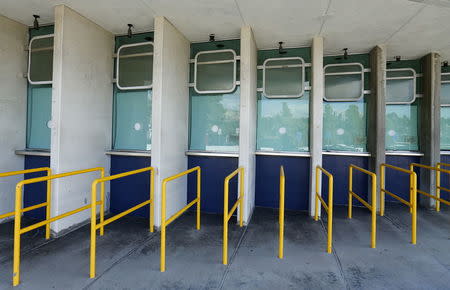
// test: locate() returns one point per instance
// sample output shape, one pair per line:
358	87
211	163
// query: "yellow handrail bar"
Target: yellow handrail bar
439	187
328	207
412	204
36	206
164	222
438	170
228	214
372	207
281	214
103	223
18	230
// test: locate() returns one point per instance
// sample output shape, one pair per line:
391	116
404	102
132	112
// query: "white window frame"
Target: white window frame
29	59
234	61
413	77
445	82
302	65
344	73
132	55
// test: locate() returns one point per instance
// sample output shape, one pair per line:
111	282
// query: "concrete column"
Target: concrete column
248	115
170	114
81	109
316	116
376	108
429	124
13	108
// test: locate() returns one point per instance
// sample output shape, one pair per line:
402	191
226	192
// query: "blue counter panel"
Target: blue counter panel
445	178
129	191
37	192
214	171
268	181
398	182
338	166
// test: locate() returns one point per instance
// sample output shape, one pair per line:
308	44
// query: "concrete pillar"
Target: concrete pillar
376	108
429	124
316	116
13	108
248	115
81	109
170	114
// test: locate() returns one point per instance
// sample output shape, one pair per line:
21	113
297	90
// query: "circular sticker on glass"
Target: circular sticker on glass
391	133
137	126
340	131
282	130
215	128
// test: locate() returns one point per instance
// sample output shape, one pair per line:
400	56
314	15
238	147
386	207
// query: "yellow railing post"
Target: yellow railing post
281	214
412	204
49	203
93	229
102	206
227	214
350	189
165	222
152	204
17	227
372	207
438	187
328	207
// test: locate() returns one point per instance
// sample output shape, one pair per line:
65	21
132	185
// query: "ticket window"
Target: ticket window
402	105
445	109
345	103
214	97
40	73
132	107
283	100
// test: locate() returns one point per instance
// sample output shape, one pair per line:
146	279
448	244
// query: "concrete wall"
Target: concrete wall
248	115
170	114
81	109
13	98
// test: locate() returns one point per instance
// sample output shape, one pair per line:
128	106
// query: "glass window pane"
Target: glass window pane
214	122
344	68
132	120
39	115
135	66
445	94
445	128
283	81
283	124
343	87
215	77
41	60
344	126
399	73
445	77
400	91
401	127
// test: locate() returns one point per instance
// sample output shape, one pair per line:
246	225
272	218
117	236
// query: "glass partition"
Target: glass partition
445	109
40	60
400	86
345	106
39	114
283	77
135	66
215	71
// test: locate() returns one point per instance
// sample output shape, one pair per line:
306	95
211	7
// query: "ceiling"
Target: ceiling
409	28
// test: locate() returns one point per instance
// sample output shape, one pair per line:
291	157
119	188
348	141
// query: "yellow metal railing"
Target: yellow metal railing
36	206
164	222
372	207
438	186
328	207
281	214
412	204
228	214
102	223
18	230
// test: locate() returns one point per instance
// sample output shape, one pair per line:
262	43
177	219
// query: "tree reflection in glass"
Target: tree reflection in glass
401	127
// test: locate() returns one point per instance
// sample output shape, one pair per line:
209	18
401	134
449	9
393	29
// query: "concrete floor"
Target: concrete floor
128	255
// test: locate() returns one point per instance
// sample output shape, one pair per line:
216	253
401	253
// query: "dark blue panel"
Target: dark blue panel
445	178
129	191
338	166
268	180
214	171
398	182
37	192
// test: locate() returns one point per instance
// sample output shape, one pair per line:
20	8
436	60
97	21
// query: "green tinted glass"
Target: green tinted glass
401	127
132	120
283	124
214	121
41	59
135	66
445	94
344	126
445	128
38	116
